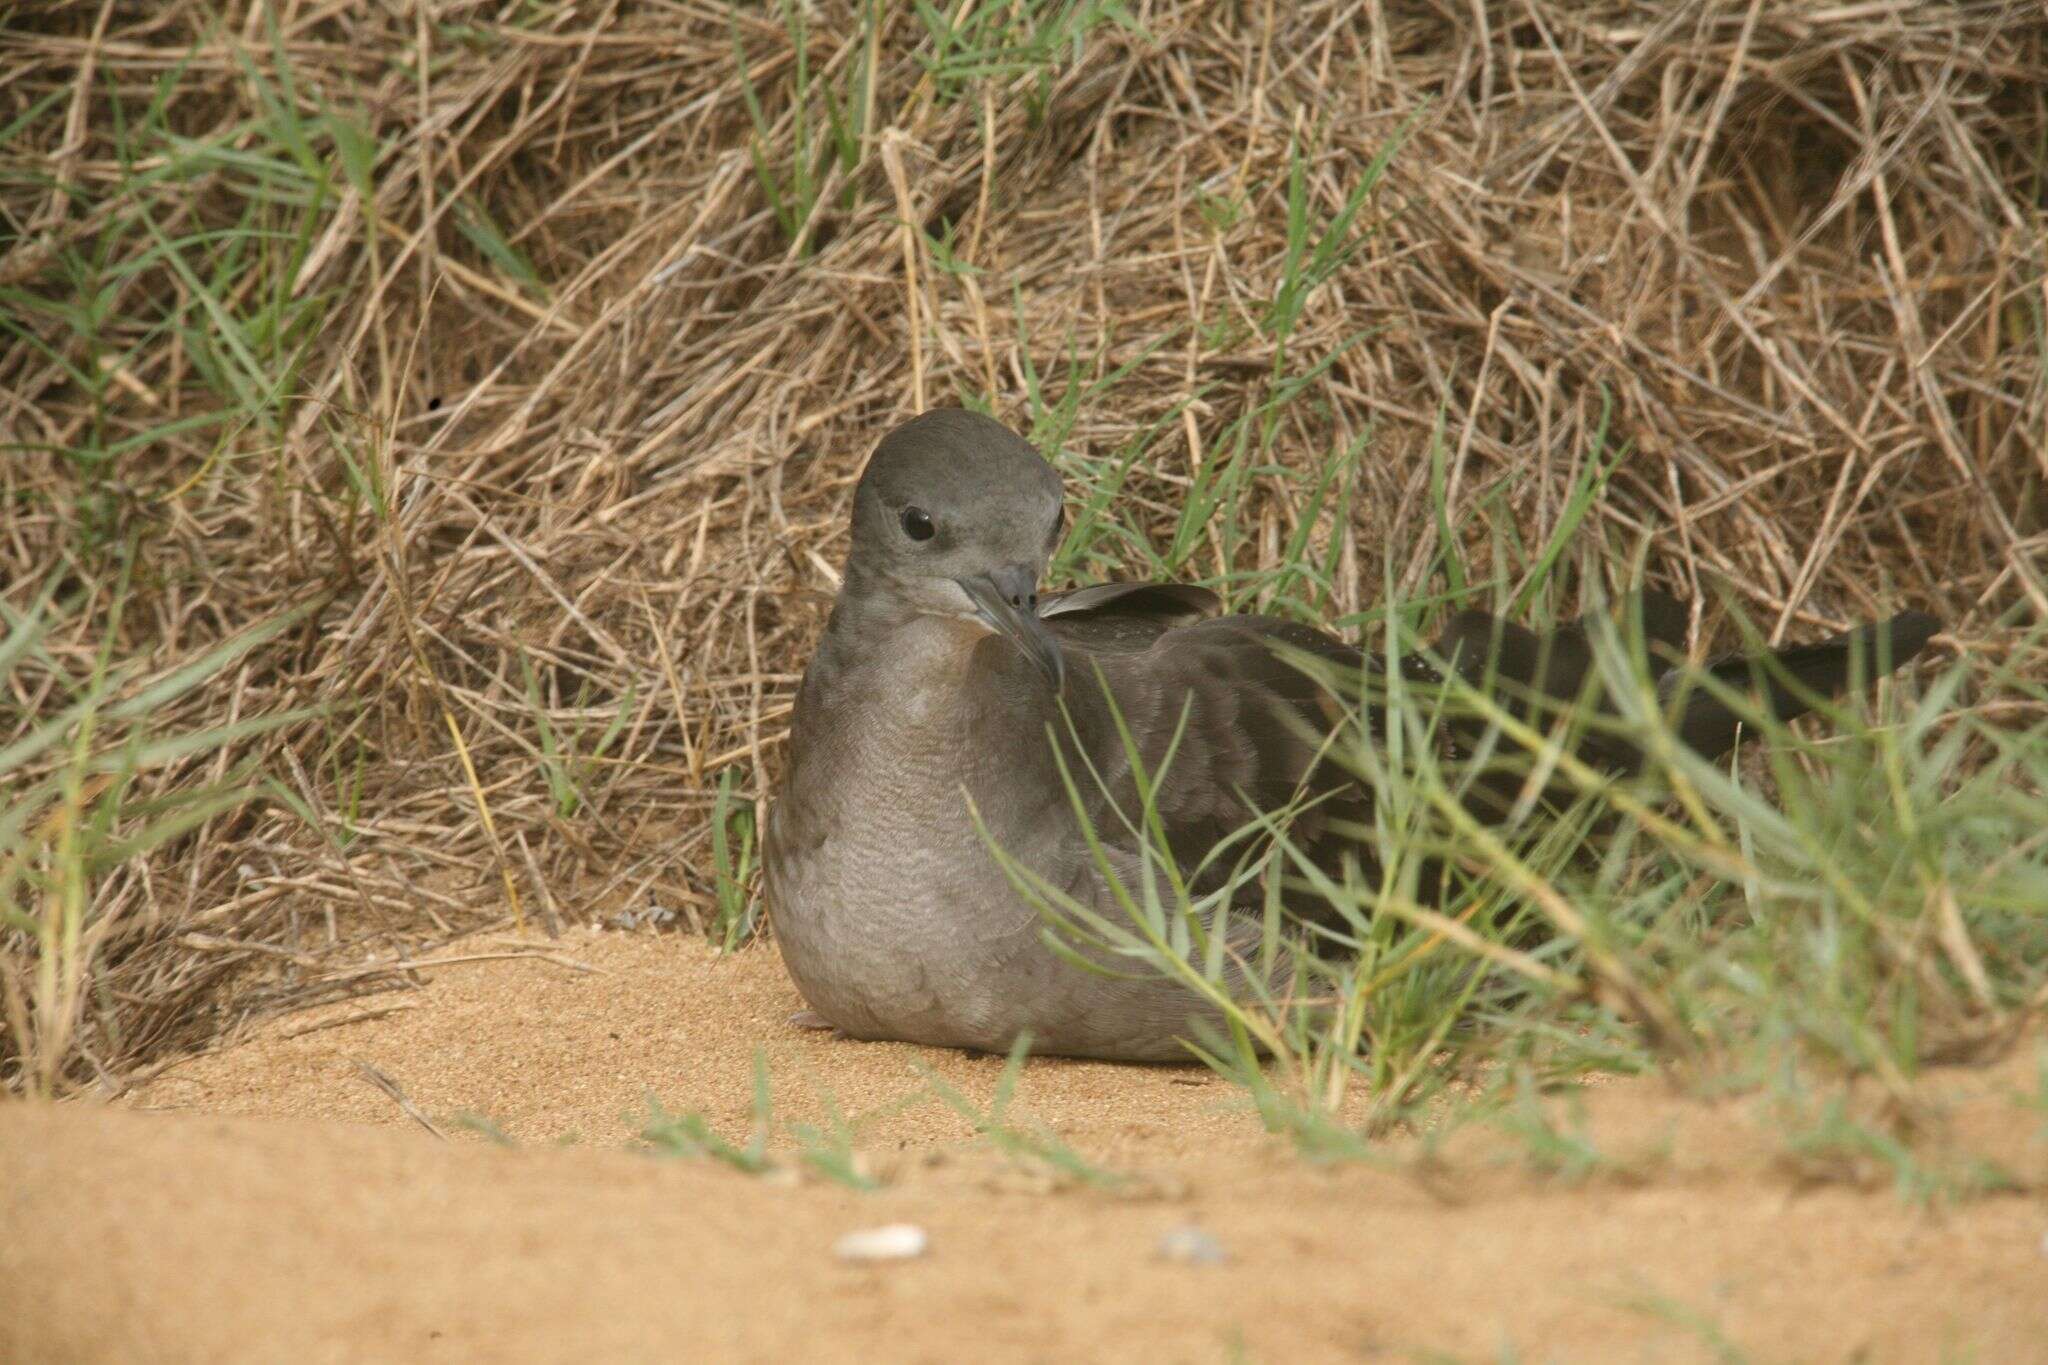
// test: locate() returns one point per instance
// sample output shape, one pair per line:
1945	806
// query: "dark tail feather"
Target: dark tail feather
1785	684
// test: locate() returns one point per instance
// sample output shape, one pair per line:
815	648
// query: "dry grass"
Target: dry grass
542	406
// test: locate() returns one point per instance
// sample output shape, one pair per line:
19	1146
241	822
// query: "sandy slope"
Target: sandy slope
287	1207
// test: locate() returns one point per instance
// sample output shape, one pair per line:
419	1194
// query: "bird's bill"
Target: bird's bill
1006	601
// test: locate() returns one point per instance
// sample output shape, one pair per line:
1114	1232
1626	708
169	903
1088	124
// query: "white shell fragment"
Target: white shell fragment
1190	1245
890	1242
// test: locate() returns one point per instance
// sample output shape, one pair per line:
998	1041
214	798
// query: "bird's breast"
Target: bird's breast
887	904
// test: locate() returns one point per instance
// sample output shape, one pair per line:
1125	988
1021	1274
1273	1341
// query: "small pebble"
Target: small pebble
650	916
1190	1245
890	1242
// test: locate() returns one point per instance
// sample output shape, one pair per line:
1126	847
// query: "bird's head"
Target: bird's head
956	516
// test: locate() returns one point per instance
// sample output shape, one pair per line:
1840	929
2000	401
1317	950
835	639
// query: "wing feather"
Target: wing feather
1228	723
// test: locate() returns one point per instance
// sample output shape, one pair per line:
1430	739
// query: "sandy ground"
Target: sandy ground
269	1202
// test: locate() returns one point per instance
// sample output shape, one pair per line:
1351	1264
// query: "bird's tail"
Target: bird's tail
1542	676
1787	683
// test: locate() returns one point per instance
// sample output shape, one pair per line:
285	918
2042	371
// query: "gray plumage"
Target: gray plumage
938	682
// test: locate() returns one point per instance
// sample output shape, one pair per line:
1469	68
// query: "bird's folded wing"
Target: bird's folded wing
1178	603
1217	720
1125	616
1220	716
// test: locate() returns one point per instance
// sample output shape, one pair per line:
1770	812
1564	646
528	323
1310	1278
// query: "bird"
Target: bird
950	705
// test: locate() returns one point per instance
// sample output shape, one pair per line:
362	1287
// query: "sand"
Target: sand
269	1202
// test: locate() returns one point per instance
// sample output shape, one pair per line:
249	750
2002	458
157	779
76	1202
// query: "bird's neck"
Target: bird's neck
866	615
900	711
878	643
885	664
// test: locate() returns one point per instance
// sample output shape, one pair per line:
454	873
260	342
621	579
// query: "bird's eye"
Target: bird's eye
917	523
